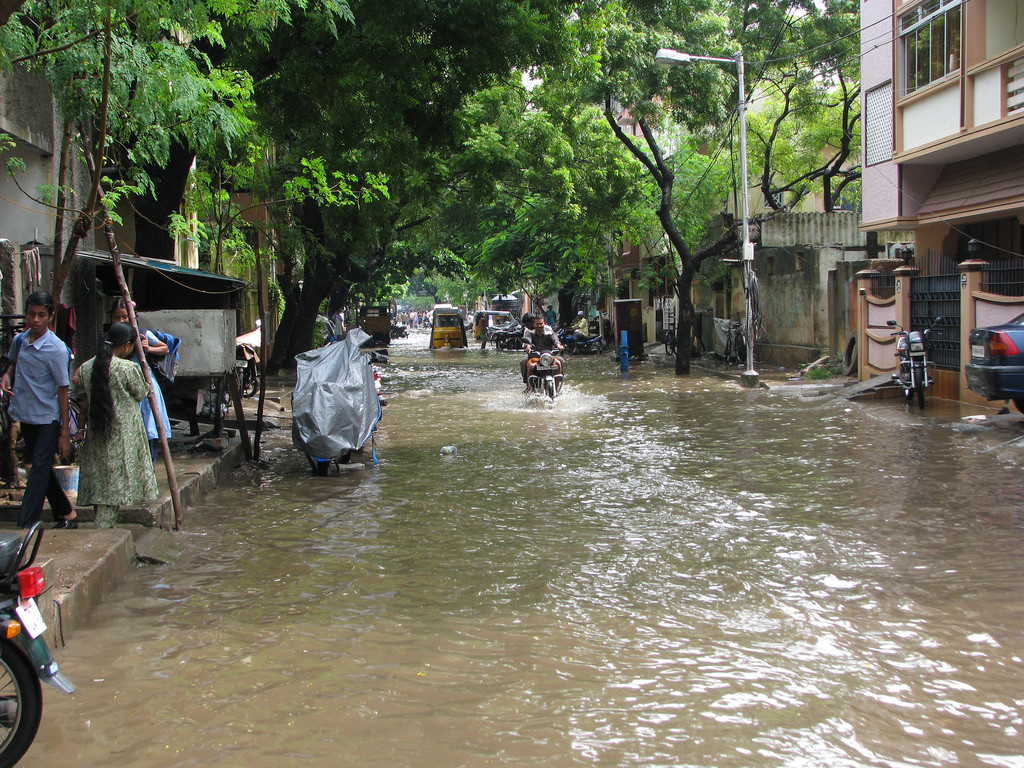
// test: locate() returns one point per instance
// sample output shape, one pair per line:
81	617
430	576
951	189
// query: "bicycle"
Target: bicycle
670	342
735	344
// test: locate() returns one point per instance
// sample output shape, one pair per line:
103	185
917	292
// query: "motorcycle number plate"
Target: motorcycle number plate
31	618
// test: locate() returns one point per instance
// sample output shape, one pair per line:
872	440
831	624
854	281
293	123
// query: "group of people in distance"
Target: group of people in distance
116	462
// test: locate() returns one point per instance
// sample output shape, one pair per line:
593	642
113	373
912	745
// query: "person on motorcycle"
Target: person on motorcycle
537	337
581	328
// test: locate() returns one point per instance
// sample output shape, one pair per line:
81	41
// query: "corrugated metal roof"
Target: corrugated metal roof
159	266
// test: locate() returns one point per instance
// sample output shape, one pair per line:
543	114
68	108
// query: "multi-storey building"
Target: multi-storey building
943	177
943	84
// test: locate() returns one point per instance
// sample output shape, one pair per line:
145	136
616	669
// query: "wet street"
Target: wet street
651	572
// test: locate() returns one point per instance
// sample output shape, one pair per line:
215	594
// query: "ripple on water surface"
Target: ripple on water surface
649	571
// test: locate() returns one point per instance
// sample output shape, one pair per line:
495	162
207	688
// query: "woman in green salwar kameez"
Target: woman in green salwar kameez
115	467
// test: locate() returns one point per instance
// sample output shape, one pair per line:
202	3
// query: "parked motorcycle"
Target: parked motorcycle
247	361
399	331
246	368
508	336
335	405
912	350
544	374
592	345
25	658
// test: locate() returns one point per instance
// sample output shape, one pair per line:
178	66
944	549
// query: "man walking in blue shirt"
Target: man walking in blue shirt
39	370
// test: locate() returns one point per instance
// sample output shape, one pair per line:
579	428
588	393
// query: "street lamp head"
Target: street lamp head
666	58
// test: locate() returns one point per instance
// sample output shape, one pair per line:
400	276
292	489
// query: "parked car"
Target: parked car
996	370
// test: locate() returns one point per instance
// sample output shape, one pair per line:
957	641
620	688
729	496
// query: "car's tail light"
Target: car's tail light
31	582
1001	345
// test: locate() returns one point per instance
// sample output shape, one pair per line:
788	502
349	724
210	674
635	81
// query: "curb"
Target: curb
84	566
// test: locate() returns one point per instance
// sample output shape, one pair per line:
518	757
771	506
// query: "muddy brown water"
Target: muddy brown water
652	572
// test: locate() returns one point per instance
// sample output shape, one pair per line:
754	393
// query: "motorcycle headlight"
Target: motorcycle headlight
547	360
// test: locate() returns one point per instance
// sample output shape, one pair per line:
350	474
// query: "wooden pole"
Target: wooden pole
261	309
236	400
172	480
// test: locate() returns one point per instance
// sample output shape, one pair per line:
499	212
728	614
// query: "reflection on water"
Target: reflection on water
649	571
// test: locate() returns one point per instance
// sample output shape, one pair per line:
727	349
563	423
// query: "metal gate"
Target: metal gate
938	295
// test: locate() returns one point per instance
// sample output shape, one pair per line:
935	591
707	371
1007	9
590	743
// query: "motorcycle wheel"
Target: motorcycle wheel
920	396
21	705
248	383
549	388
319	467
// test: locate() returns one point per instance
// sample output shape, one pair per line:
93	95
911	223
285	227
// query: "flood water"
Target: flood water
651	572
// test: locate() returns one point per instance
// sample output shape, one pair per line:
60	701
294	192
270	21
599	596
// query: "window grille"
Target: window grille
878	145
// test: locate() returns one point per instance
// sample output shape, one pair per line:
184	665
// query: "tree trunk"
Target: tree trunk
283	336
305	321
8	8
153	239
566	306
684	321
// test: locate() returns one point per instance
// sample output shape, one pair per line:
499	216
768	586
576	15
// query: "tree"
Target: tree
137	83
383	97
545	189
806	111
617	44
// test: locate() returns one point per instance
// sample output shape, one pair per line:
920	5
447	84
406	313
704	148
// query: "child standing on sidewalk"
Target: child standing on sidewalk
39	401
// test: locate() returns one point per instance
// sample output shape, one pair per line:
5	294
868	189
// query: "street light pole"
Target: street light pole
667	58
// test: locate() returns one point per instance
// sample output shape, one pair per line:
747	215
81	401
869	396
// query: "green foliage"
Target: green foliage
546	187
830	369
275	299
386	138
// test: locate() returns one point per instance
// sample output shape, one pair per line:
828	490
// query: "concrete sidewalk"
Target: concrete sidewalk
85	565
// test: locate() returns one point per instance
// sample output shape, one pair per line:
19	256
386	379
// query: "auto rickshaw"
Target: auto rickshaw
449	329
376	322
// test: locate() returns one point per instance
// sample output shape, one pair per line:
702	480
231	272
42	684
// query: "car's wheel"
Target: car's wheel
1019	405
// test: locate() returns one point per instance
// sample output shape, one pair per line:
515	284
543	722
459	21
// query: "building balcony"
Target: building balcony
975	112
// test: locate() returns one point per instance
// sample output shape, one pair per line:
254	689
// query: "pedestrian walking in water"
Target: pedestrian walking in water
39	402
115	468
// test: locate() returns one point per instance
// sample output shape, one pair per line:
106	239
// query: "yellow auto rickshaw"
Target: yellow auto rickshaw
449	329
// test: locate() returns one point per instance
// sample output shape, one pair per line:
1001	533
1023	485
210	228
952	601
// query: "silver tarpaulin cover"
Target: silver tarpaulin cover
334	405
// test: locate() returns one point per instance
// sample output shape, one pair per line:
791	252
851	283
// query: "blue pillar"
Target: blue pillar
624	351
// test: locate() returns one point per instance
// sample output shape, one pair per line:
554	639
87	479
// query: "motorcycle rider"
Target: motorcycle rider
537	337
581	328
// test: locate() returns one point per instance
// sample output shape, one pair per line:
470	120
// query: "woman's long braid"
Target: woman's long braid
101	401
